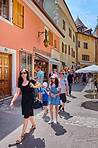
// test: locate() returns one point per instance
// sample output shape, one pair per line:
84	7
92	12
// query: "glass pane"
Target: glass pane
23	60
29	63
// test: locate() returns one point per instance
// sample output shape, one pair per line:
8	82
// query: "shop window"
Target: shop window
26	61
65	49
69	49
55	43
70	33
85	45
4	8
50	38
79	44
18	14
63	25
44	68
62	47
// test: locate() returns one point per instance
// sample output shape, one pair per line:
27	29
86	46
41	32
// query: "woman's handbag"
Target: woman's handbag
37	104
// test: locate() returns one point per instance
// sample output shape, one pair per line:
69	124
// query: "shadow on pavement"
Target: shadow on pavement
64	115
89	91
91	96
78	87
90	105
46	118
67	101
30	142
59	130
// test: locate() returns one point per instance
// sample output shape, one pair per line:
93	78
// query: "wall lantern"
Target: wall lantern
46	41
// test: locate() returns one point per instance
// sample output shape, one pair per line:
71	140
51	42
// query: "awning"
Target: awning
48	59
85	63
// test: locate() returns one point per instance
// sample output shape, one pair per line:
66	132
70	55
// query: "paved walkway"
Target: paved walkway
77	127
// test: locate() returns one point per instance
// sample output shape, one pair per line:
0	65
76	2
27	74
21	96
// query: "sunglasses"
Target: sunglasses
23	73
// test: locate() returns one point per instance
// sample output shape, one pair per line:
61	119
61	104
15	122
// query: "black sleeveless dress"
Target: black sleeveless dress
27	99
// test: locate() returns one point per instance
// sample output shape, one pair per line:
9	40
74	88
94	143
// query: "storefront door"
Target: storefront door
5	74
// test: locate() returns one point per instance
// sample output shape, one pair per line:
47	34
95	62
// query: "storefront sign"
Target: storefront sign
41	51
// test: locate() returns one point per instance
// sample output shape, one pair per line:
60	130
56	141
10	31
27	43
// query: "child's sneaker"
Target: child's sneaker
55	121
51	121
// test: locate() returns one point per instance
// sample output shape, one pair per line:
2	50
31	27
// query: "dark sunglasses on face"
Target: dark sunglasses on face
23	73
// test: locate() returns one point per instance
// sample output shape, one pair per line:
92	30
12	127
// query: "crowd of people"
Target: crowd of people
53	92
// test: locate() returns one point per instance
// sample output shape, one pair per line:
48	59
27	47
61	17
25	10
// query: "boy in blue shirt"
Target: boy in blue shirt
45	97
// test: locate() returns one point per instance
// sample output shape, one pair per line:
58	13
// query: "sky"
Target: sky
86	10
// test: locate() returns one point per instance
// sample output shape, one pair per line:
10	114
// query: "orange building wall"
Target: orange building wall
16	38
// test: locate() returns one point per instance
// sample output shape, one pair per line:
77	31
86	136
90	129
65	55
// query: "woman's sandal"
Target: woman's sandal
21	138
32	128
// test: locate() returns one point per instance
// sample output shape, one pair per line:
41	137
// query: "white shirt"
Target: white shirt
63	83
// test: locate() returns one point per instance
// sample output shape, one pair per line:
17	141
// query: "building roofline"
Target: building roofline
70	13
87	35
47	16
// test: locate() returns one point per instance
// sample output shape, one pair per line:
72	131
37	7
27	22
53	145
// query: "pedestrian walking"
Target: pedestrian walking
55	91
54	73
70	78
84	78
45	97
26	86
65	73
64	90
39	78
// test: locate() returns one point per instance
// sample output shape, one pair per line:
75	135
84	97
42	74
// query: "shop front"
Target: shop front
46	63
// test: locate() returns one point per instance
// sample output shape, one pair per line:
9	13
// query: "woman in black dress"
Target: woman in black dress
27	88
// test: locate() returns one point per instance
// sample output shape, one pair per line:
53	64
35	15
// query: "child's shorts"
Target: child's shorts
45	103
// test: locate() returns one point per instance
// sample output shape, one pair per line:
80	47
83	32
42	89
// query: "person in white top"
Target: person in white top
64	90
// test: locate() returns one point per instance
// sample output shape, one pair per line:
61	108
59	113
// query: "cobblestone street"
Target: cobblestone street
77	127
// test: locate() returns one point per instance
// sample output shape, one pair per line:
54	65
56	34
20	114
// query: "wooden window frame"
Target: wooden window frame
50	38
79	46
20	14
85	45
55	43
64	25
85	57
69	50
70	33
2	9
73	54
65	49
73	38
62	47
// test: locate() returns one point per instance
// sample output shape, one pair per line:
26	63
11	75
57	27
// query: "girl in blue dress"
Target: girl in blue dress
55	91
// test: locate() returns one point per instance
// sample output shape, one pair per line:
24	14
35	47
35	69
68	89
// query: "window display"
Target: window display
44	68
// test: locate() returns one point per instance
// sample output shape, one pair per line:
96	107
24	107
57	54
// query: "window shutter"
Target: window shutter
51	38
18	14
72	52
69	50
65	49
62	47
55	43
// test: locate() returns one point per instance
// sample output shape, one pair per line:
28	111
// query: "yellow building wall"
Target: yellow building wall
91	48
67	40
